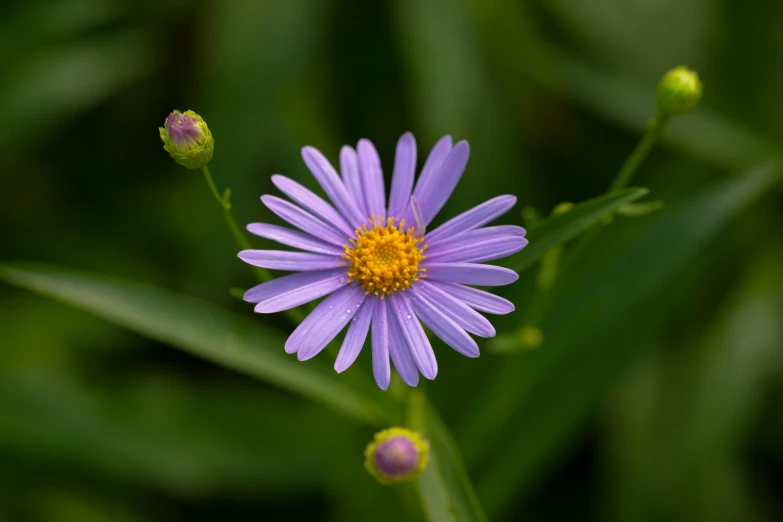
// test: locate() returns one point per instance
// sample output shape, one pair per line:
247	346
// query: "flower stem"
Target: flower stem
242	242
655	128
213	188
224	201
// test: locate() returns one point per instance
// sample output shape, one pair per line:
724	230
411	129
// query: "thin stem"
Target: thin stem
262	274
655	128
213	188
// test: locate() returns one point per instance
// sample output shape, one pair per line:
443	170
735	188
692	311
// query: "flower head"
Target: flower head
187	139
679	91
396	455
382	272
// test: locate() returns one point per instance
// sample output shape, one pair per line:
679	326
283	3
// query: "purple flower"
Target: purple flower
382	272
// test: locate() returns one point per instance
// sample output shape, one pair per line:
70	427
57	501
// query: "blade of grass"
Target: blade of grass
444	487
198	328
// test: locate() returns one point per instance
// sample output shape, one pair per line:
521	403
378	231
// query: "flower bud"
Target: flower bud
396	455
187	139
679	91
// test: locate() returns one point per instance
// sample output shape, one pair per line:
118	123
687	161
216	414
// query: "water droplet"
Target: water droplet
409	316
348	311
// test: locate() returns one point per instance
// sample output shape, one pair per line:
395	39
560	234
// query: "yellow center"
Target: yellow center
385	259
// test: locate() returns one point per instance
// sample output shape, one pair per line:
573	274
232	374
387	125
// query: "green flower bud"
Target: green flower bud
679	91
396	455
187	139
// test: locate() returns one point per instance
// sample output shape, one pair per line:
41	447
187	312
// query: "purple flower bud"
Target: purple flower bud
396	455
184	130
187	139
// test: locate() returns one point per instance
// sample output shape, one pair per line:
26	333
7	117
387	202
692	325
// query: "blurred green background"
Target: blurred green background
657	393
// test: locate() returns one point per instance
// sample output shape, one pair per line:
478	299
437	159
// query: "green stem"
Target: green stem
262	274
212	188
655	128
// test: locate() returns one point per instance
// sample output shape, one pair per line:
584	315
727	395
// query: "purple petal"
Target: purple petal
414	335
446	329
380	344
404	171
303	220
479	245
313	203
401	355
294	238
429	171
332	184
372	178
473	236
297	289
354	339
480	252
434	161
418	217
433	192
472	219
291	261
349	167
325	322
478	299
467	318
285	284
470	274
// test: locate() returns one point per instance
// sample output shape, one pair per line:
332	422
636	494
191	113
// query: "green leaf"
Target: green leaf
196	327
560	228
640	209
543	397
445	488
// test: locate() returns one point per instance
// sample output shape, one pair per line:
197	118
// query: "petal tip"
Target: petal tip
290	346
365	145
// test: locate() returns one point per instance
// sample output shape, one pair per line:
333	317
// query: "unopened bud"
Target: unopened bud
679	91
396	455
187	139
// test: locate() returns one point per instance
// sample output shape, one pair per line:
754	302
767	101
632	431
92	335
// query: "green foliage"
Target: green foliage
197	327
560	228
445	488
648	386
